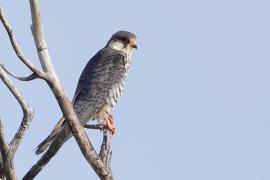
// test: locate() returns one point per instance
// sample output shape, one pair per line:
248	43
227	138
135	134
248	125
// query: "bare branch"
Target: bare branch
17	49
40	42
2	175
27	117
8	169
27	78
106	150
35	169
95	126
14	90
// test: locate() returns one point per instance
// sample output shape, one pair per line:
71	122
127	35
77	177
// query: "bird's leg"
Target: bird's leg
109	123
111	119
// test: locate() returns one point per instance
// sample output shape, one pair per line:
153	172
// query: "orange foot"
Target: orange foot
109	123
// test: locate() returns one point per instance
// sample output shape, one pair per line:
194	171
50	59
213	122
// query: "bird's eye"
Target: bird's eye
124	39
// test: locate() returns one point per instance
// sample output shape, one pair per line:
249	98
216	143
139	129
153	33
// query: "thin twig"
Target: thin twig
95	126
17	49
27	78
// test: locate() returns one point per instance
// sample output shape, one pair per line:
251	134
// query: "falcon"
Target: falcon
99	87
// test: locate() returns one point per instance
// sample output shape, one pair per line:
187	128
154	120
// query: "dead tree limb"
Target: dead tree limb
106	150
8	150
27	114
2	175
8	170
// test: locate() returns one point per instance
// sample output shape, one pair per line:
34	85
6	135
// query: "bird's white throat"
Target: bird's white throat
118	45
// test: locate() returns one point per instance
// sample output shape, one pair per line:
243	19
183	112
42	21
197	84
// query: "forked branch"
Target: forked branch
17	49
27	78
8	150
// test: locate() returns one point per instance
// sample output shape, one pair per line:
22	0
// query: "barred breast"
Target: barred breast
118	87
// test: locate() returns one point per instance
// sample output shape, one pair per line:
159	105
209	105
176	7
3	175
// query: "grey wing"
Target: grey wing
101	73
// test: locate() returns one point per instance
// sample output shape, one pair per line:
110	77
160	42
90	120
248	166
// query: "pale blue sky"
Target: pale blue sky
196	106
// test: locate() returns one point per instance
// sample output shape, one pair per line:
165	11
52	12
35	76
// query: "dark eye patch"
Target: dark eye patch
124	39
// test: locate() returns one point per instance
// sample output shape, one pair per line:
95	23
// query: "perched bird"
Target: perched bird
100	85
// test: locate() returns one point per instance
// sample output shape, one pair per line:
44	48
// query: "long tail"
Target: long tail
47	142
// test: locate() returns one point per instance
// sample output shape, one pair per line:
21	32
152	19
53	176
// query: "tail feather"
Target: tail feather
47	142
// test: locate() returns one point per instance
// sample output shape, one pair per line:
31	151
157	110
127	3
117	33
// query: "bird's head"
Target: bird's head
123	41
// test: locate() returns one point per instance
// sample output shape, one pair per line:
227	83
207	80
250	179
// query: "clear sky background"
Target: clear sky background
197	101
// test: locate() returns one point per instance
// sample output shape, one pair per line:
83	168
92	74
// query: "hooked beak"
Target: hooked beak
134	46
133	43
